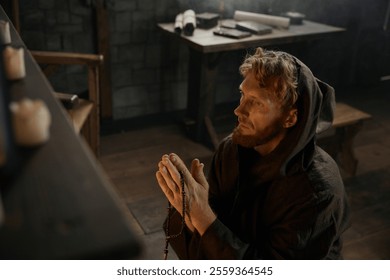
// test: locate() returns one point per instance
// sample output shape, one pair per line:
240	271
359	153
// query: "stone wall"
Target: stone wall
149	73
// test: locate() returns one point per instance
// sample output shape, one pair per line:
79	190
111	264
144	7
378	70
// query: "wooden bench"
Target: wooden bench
52	60
347	123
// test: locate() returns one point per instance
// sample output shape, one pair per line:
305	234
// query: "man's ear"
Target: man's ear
291	119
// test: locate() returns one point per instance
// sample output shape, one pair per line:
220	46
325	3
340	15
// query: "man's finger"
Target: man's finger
201	178
170	182
163	185
198	173
193	167
171	169
181	167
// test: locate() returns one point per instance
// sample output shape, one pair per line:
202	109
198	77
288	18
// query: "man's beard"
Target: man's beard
259	138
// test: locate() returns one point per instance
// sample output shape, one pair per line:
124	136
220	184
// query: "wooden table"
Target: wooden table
205	50
59	203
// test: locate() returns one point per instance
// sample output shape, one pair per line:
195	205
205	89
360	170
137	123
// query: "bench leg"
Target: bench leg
346	156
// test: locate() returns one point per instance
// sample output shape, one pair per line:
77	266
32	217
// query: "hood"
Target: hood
316	104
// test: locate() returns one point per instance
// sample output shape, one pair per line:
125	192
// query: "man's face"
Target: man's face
260	119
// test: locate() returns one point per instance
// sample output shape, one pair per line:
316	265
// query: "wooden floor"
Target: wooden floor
130	160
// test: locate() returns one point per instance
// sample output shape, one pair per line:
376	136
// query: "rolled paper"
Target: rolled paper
189	22
31	122
5	35
275	21
14	63
179	23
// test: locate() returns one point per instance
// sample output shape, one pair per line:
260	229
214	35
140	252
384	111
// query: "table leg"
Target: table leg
202	74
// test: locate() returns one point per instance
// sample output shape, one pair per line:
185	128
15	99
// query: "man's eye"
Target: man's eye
254	102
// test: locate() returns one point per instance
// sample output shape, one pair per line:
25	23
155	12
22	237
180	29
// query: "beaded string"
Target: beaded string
168	237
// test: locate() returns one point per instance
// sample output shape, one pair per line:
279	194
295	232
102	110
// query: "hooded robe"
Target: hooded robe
289	204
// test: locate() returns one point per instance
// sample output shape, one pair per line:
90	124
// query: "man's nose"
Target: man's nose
239	110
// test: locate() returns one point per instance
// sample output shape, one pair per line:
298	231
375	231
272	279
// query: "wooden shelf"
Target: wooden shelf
59	203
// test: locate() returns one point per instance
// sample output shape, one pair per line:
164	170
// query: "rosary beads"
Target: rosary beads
168	237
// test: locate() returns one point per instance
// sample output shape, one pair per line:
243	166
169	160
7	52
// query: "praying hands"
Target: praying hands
171	173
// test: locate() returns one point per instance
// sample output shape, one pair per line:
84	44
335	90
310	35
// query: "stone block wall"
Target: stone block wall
149	73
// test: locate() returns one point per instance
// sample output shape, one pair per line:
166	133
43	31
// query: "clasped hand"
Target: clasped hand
199	214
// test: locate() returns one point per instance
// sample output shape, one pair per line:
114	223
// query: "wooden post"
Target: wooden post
15	15
94	123
103	48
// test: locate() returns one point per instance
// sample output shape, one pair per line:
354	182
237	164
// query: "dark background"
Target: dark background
145	86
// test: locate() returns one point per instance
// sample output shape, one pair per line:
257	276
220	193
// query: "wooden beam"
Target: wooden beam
103	47
15	15
49	57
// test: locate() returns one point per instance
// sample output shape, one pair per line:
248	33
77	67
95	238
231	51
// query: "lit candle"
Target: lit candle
14	63
5	36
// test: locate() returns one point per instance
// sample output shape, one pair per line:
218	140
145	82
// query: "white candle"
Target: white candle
5	36
31	122
14	63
